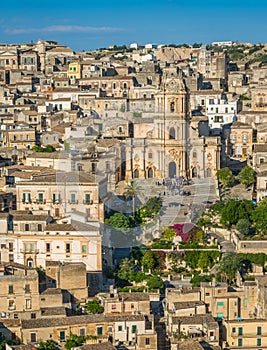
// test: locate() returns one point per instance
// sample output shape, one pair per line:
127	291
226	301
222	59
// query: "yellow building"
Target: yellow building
245	334
74	71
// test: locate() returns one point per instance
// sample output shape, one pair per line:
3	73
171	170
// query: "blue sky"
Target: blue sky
86	25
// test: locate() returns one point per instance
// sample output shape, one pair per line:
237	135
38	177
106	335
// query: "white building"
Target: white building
220	112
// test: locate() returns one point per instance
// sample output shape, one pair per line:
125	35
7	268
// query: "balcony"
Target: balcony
249	335
26	201
57	201
23	251
88	202
73	202
40	202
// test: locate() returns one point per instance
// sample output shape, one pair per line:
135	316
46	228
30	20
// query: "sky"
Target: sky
87	25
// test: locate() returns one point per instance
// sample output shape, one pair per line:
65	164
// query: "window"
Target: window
245	137
261	160
240	330
84	250
109	329
113	306
202	102
220	303
99	330
67	247
11	305
28	304
147	341
33	315
56	198
72	198
120	329
234	330
82	332
40	197
259	342
27	288
40	227
33	337
93	168
259	330
10	246
233	137
133	328
26	197
10	289
47	247
27	227
107	166
87	198
172	134
125	85
62	335
194	154
150	155
218	119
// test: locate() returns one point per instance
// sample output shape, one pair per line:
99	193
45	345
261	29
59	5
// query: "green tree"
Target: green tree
155	282
50	344
93	307
74	340
125	270
169	233
2	343
203	261
235	210
132	190
259	217
247	176
225	177
120	221
228	266
243	226
148	260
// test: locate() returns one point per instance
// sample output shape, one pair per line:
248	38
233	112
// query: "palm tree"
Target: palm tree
131	191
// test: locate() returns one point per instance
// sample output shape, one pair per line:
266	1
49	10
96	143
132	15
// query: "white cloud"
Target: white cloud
63	29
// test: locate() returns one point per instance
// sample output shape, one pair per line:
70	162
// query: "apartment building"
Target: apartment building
19	291
36	239
221	112
245	334
61	193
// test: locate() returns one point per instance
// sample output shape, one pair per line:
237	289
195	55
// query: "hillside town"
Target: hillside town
133	197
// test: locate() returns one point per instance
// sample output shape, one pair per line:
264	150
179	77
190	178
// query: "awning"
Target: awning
194	331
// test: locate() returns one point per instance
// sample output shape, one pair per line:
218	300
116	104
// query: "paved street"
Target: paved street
183	209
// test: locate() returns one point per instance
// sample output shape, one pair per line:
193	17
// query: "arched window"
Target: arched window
172	107
136	174
30	262
194	172
172	169
150	173
172	134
